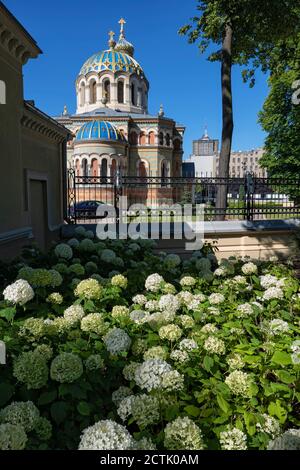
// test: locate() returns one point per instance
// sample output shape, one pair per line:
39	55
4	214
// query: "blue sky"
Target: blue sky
69	31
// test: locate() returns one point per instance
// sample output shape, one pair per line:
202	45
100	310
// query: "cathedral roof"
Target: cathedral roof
111	60
99	130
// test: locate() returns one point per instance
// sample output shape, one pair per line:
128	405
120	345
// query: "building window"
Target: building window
151	138
168	140
93	92
161	138
120	91
85	168
133	94
106	90
82	94
142	138
142	170
113	168
104	167
2	92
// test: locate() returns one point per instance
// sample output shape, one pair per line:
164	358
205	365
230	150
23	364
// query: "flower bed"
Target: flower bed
112	347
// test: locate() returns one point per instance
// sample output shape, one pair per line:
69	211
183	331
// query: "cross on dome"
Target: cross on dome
122	22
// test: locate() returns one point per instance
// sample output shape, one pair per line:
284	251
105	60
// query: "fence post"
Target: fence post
249	182
71	192
117	194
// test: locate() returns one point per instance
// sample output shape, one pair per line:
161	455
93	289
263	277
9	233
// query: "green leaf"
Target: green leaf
6	392
285	377
223	404
192	410
47	397
171	412
275	409
59	411
208	363
84	408
282	358
8	313
250	422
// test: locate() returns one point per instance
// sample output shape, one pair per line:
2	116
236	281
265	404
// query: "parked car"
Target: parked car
86	209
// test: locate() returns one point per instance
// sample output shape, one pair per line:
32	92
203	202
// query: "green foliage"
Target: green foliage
204	395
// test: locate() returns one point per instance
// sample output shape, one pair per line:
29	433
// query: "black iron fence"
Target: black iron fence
248	198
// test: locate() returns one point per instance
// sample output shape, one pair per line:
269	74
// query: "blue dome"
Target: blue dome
111	60
99	130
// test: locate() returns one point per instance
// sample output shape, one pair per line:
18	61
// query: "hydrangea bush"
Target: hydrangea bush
112	346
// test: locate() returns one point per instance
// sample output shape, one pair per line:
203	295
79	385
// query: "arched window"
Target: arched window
142	138
106	90
142	170
151	138
161	138
177	144
82	94
120	91
94	167
133	94
84	168
113	168
133	138
77	167
93	91
164	170
2	92
104	167
168	140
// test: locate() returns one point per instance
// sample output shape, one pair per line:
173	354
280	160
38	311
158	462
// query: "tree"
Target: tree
244	32
280	116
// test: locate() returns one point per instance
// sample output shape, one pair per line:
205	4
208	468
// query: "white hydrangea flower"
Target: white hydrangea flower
278	326
172	381
269	280
244	310
140	299
273	293
170	332
20	292
186	321
216	299
188	345
178	355
106	435
150	373
121	393
154	282
233	439
12	437
129	370
269	425
157	319
290	440
89	289
187	281
119	281
152	305
183	434
213	311
73	314
63	251
156	352
139	317
221	271
117	340
209	328
240	280
143	408
295	347
238	382
169	302
94	323
20	413
119	312
235	362
249	268
214	345
108	256
185	298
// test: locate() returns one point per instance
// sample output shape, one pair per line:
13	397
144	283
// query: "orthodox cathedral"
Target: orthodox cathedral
112	127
